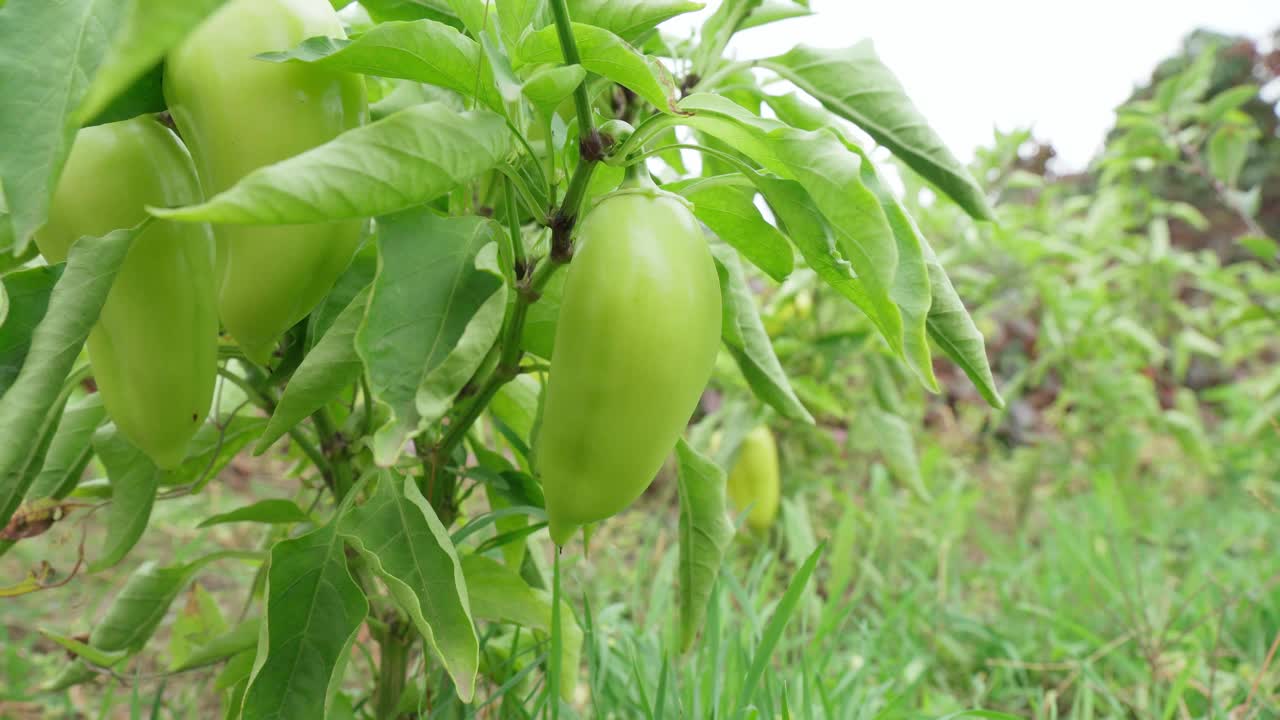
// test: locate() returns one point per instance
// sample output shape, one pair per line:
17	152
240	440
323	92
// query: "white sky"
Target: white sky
1058	67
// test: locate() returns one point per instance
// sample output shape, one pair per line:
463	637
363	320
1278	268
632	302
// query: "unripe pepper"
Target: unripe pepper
753	481
636	338
154	349
237	114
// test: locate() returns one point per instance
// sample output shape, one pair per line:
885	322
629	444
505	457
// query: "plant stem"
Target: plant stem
466	411
569	46
394	646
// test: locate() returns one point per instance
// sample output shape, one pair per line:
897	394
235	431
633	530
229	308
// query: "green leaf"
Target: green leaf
25	409
408	548
101	658
28	293
275	511
726	204
499	594
441	385
607	55
390	10
1228	150
912	290
352	282
150	28
854	84
329	368
772	11
427	291
423	50
629	19
705	533
777	623
136	611
953	330
396	163
71	449
134	480
1260	246
747	341
549	87
832	176
1224	102
49	52
232	642
518	17
892	438
313	609
199	622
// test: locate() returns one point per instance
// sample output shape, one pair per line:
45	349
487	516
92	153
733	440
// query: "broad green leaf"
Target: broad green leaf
912	290
747	341
427	291
912	287
1224	102
28	294
313	609
518	17
150	28
232	642
26	407
441	385
407	547
71	449
705	533
329	368
391	10
549	87
396	163
134	480
499	594
953	330
273	511
854	84
893	440
737	127
809	231
352	282
772	11
49	52
101	658
726	204
199	621
629	19
607	55
1228	150
423	50
832	176
141	604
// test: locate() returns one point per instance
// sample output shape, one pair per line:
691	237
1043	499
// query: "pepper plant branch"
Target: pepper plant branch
569	47
529	287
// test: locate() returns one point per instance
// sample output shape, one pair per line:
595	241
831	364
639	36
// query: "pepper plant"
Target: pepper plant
389	284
